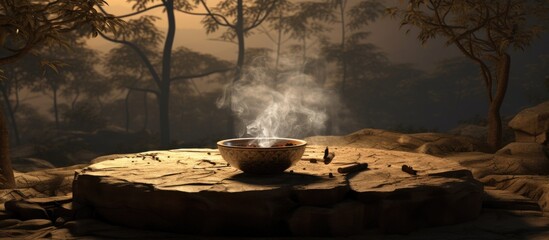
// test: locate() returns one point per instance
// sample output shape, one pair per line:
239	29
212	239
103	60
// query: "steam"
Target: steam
291	105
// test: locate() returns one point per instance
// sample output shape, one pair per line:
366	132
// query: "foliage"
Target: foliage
28	23
225	14
484	31
85	116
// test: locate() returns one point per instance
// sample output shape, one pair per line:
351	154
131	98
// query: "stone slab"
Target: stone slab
195	191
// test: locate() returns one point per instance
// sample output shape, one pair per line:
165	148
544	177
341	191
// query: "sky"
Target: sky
385	33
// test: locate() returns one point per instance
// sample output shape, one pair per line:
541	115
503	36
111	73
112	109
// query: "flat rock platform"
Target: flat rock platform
195	191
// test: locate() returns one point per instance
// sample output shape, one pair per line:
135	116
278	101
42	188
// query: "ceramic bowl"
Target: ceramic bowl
246	154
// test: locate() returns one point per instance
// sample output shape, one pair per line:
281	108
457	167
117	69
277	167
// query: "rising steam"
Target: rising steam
290	105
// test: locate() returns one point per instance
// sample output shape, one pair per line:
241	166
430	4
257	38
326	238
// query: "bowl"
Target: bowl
246	154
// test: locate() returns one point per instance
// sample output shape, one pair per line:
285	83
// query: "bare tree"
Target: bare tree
28	24
162	77
484	31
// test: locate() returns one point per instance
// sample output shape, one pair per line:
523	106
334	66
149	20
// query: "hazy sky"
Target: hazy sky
385	34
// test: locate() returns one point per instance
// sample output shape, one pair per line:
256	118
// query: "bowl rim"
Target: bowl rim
301	143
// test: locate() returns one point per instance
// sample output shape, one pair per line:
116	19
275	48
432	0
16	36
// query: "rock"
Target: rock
517	158
532	124
521	148
522	159
410	207
107	157
471	130
31	224
94	229
429	143
502	199
530	186
4	215
30	164
194	191
43	183
18	194
343	219
25	211
9	222
56	207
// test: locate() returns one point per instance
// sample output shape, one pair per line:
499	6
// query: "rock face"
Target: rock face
532	186
437	144
522	158
30	164
532	124
517	158
195	191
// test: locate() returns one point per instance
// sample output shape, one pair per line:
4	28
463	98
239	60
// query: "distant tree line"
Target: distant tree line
146	84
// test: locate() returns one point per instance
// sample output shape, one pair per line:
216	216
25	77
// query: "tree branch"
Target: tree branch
142	55
214	15
201	74
207	14
131	14
258	21
144	90
140	11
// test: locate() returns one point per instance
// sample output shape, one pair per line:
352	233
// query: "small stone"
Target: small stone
60	221
9	222
32	224
24	211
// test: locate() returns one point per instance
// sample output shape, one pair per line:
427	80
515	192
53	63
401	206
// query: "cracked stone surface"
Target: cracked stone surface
438	144
195	191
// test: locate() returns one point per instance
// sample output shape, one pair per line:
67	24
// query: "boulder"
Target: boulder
25	211
195	191
471	130
522	158
516	158
343	219
534	187
30	164
532	124
437	144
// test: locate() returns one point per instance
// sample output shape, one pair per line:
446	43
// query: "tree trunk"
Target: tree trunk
343	53
494	137
239	29
146	111
164	96
11	114
55	110
278	48
304	53
75	99
127	110
163	107
7	180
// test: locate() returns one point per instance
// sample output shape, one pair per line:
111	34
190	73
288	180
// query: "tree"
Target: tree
126	69
239	18
307	23
485	32
17	76
352	20
162	77
71	73
27	24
